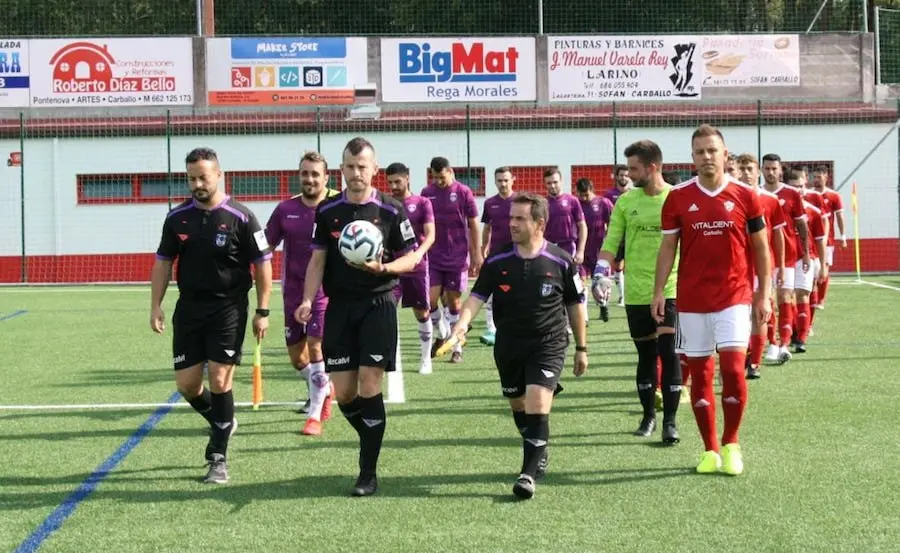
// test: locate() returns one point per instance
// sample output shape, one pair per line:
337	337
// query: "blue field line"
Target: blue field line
67	507
11	315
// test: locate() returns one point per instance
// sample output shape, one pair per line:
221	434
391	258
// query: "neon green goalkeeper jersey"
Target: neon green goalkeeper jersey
638	218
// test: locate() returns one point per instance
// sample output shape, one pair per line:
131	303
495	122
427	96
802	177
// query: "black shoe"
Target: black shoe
604	313
542	464
670	433
648	425
366	484
438	342
524	487
753	373
218	470
304	408
558	390
799	347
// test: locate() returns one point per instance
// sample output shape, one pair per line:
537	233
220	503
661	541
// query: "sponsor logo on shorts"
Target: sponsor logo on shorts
229	352
331	361
512	390
547	374
376	358
179	358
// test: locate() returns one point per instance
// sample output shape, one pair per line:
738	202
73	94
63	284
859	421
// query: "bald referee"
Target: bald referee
215	240
534	285
360	336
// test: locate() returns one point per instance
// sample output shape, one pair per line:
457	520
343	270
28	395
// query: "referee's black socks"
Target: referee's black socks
521	420
534	442
222	419
203	404
671	375
646	375
368	417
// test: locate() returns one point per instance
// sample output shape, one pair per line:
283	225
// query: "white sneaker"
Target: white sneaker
425	368
772	353
784	354
621	302
811	333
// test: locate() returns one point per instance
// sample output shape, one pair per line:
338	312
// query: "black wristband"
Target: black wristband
581	349
262	312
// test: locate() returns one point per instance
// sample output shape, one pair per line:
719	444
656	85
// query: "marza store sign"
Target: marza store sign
458	70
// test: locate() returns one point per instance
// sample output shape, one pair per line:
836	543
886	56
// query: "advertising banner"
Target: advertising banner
624	69
112	72
751	60
14	78
285	70
458	70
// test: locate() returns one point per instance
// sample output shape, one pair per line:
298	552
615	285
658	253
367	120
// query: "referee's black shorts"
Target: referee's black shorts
641	322
360	332
208	330
525	362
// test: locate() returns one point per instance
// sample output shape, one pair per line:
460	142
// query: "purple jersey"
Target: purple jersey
419	211
565	214
292	223
496	216
453	207
597	211
613	194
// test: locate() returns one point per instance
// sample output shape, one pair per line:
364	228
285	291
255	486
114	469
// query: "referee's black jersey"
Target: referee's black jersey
530	295
342	280
214	249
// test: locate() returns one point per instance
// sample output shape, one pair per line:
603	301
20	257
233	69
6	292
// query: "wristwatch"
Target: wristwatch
262	312
581	349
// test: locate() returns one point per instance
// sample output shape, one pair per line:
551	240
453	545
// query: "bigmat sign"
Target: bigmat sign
458	70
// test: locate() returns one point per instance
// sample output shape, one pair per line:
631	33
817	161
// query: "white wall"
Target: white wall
57	225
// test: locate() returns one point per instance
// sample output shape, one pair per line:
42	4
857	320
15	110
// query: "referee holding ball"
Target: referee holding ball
534	285
360	336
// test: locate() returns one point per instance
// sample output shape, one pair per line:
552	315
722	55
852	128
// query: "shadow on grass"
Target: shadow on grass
136	487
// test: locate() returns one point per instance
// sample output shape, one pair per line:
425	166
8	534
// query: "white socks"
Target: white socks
319	389
425	339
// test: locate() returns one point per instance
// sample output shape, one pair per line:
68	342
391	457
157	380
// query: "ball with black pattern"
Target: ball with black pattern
360	241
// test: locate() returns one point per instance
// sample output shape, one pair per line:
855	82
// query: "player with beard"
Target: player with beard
835	207
597	211
291	223
495	234
412	287
636	219
622	184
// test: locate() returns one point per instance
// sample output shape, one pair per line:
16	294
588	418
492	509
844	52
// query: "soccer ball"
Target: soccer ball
360	241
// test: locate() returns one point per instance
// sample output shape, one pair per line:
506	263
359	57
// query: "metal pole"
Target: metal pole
615	125
816	18
865	15
877	47
759	131
169	155
199	16
319	129
468	139
24	275
540	17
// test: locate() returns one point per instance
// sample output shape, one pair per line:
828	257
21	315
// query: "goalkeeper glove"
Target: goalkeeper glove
601	283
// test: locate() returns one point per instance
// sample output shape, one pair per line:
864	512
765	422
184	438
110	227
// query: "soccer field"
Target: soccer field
820	446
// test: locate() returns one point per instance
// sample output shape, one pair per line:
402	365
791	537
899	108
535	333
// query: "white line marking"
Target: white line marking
880	285
123	406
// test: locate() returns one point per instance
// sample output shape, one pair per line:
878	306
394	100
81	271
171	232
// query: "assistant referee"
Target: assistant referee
215	241
534	285
360	337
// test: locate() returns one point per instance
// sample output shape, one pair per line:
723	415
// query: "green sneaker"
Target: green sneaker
710	463
488	338
732	460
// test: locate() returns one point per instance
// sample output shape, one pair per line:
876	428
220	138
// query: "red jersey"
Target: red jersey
815	218
792	207
714	263
835	205
774	219
816	199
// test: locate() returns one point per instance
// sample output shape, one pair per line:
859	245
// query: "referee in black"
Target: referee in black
534	285
360	335
215	241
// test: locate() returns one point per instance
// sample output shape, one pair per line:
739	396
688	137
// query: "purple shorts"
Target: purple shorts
449	281
587	268
413	288
295	332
